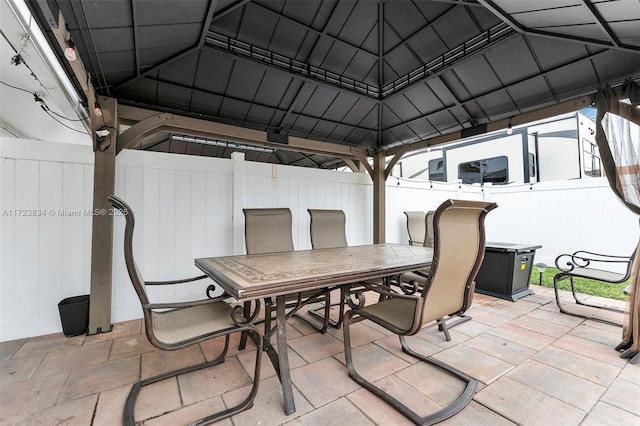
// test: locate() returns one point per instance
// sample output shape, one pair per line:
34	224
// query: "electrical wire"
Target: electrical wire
17	88
60	122
46	108
65	118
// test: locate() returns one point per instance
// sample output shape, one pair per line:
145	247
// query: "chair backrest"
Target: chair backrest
428	224
416	227
459	241
268	230
327	228
132	268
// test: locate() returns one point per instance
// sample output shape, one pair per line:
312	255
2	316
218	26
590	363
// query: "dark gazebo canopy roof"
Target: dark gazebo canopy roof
369	74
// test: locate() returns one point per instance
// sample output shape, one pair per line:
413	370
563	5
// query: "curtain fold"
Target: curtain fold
618	139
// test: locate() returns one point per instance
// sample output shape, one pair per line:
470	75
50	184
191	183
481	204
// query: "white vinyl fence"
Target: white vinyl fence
188	207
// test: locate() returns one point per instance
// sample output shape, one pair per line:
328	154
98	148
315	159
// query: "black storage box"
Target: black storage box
506	270
74	314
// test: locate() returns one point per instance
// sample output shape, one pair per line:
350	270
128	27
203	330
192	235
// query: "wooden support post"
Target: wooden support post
238	201
102	230
379	199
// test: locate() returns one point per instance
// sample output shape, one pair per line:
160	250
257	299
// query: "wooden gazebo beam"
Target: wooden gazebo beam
146	122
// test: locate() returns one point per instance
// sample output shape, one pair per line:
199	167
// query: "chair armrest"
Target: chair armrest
385	291
596	256
209	290
237	313
181	281
187	304
583	259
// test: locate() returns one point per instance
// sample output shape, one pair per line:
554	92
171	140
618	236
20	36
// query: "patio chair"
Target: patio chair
327	230
459	249
268	230
413	282
428	224
586	264
416	227
172	326
423	231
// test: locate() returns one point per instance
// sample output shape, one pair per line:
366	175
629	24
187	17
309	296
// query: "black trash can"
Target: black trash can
74	314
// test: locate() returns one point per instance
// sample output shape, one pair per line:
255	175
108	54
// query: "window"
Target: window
436	170
532	165
592	162
494	170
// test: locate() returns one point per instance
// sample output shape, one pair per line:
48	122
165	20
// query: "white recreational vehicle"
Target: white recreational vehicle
559	148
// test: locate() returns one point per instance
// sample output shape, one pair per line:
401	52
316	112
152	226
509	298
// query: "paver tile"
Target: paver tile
314	347
336	413
19	369
31	395
87	380
217	380
624	395
497	347
73	413
69	358
521	336
482	367
590	349
566	387
588	368
604	414
268	406
527	406
323	381
540	326
377	409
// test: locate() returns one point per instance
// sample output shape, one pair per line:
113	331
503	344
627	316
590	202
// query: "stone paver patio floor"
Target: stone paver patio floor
535	365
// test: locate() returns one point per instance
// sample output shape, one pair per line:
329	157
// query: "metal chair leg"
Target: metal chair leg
129	408
563	310
324	317
450	410
325	312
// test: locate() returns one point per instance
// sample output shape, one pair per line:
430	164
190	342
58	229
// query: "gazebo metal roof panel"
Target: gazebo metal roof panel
362	73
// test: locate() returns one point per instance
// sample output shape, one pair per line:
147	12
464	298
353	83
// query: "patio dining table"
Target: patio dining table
274	275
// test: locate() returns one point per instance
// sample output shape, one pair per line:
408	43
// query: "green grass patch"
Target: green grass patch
584	286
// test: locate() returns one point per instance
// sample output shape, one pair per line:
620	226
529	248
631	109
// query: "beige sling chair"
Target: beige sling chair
327	230
459	241
420	228
413	282
416	227
172	326
269	231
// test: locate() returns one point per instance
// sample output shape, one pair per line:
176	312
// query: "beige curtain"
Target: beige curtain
618	138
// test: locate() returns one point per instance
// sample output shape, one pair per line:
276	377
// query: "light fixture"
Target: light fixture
97	109
70	52
222	144
509	127
541	268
